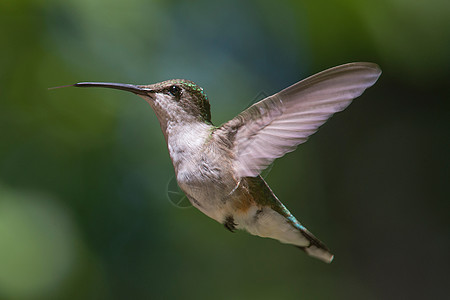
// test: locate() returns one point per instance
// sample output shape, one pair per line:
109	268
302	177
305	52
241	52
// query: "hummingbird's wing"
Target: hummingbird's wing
277	124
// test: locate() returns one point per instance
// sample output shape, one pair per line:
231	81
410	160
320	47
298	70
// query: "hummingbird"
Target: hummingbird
218	167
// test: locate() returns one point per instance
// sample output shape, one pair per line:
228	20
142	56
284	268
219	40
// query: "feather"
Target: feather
277	124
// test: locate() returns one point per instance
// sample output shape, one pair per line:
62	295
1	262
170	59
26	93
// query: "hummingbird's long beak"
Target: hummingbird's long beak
136	89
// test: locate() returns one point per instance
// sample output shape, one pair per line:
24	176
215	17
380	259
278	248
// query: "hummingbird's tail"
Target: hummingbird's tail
316	248
274	220
266	222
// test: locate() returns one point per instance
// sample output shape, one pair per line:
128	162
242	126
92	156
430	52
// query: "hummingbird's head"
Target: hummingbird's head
179	99
176	100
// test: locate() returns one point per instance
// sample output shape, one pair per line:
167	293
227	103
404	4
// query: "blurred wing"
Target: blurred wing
276	125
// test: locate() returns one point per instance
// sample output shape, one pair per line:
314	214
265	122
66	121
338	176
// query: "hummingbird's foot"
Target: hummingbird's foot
229	223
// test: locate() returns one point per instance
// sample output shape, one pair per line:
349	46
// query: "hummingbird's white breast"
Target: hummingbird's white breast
202	167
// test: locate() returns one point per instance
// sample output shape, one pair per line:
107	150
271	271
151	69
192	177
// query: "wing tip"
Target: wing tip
368	65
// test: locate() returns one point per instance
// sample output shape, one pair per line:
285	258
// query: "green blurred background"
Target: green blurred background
84	212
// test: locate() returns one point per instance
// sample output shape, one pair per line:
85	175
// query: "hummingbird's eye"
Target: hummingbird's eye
175	90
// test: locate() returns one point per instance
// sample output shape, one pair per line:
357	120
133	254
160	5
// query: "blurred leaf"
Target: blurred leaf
38	245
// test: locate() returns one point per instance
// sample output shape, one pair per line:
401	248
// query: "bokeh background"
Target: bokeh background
84	173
